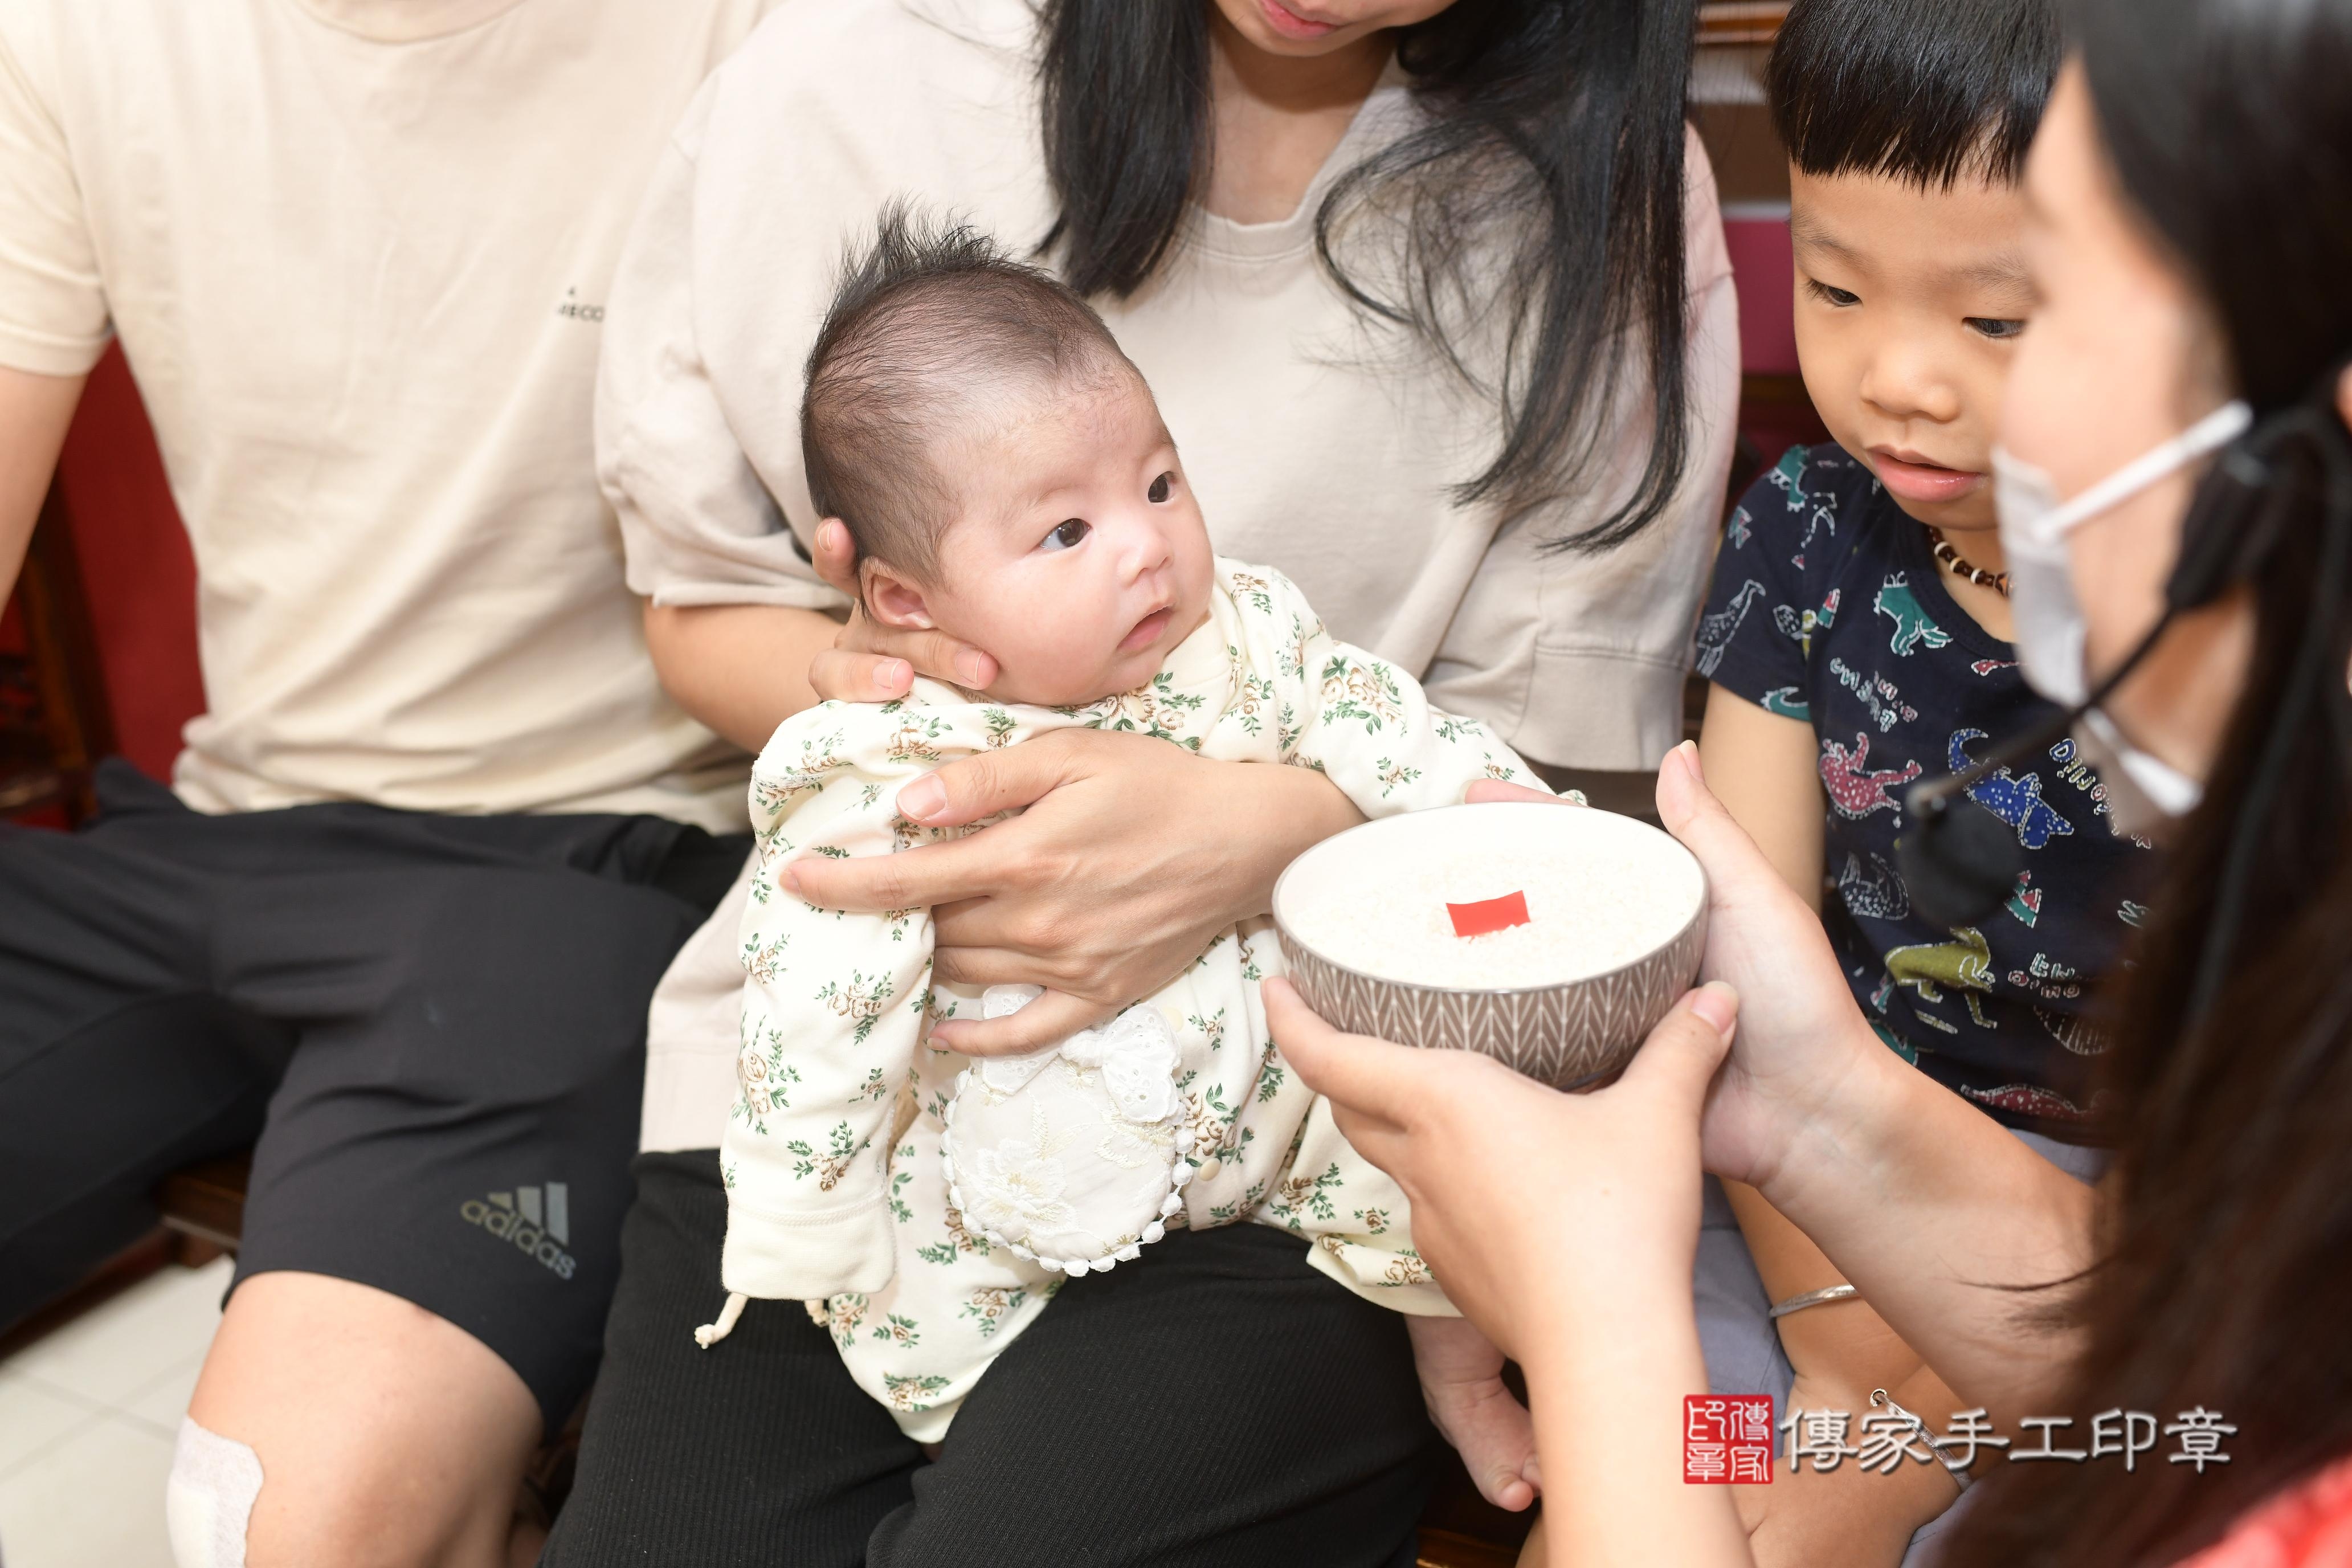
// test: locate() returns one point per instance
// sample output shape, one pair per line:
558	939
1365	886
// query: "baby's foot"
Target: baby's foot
1462	1382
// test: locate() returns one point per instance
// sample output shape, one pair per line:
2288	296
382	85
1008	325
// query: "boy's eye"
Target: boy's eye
1827	295
1994	327
1160	489
1067	533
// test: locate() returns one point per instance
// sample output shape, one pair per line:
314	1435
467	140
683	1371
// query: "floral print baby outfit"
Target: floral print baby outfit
838	1194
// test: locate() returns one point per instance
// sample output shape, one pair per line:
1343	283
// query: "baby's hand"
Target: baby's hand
1462	1382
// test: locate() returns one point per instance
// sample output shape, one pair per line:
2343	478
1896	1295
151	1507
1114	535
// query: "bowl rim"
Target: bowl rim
1292	939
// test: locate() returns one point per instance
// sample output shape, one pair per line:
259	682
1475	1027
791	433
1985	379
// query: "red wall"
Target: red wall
135	567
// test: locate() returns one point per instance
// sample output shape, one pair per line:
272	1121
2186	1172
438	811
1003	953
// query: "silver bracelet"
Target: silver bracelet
1820	1297
1885	1402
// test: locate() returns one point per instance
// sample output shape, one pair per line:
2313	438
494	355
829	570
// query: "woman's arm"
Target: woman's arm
1925	1202
740	669
1565	1225
1763	768
745	669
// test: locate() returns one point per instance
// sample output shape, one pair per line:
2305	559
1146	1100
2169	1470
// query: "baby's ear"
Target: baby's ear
892	598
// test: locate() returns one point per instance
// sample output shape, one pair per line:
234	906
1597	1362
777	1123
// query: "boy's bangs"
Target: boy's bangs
1924	91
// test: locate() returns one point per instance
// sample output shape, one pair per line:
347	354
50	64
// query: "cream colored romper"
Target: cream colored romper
836	1192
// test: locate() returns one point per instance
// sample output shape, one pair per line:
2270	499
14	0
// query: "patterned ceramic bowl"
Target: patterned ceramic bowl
1574	1032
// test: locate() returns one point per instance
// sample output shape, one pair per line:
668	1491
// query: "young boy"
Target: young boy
1856	640
1005	475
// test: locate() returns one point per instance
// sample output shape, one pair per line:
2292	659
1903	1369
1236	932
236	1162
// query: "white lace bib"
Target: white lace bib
1072	1155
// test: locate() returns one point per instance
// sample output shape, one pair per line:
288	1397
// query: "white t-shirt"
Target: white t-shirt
1311	448
357	252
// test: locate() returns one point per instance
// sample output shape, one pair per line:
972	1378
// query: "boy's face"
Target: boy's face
1909	303
1077	557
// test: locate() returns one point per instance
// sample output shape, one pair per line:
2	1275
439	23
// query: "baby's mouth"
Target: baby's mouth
1148	630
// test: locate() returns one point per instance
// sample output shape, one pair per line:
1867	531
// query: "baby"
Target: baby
1005	475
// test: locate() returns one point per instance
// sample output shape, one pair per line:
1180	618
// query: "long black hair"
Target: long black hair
2225	1262
1536	208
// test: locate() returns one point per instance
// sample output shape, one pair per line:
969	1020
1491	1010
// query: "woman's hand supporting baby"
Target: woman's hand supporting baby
1128	856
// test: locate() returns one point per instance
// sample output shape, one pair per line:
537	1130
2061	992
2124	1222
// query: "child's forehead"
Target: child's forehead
1971	233
1035	446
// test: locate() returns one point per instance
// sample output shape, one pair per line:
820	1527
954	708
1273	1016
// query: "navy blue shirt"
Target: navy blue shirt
1828	607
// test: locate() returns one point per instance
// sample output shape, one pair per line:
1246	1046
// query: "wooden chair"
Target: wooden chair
54	723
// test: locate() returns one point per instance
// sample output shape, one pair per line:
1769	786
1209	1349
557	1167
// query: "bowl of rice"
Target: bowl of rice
1552	939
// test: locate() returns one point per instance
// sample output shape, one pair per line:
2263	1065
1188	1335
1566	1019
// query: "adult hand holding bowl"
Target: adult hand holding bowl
1552	941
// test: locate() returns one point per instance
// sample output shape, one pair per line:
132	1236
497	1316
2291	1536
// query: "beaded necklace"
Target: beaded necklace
1959	566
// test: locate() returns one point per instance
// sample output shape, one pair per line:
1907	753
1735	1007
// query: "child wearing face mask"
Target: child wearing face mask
1857	639
1005	475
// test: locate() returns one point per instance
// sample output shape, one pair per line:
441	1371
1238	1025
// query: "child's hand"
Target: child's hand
1462	1382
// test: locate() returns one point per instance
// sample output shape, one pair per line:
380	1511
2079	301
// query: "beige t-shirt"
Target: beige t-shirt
357	252
1312	447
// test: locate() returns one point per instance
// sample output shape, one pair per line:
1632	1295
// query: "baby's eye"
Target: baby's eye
1069	534
1827	295
1160	489
1994	327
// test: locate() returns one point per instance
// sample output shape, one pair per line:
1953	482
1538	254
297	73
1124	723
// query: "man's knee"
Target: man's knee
352	1511
382	1435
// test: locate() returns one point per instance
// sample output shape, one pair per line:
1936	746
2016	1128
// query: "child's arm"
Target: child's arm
833	1013
1761	765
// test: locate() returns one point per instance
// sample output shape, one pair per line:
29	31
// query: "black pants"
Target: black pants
1215	1403
434	1025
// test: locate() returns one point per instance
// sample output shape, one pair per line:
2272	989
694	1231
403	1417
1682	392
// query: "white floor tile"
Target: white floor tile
157	1328
93	1500
162	1402
33	1417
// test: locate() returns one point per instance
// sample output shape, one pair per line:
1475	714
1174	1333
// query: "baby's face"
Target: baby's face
1908	306
1077	557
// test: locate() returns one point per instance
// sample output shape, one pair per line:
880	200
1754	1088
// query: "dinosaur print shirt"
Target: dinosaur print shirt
1828	607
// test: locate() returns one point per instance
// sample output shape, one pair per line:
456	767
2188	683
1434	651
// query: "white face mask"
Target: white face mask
2051	630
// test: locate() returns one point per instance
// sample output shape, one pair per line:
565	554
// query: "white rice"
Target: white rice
1592	906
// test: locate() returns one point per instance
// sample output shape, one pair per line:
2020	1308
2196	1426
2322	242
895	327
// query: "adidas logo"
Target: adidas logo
535	1218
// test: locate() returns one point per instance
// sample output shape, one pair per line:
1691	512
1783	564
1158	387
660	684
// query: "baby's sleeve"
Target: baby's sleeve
1357	1219
833	1006
1368	726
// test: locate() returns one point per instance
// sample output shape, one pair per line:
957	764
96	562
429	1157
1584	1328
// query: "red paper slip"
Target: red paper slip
1490	915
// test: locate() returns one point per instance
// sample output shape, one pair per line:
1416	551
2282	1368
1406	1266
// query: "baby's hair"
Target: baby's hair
1924	91
930	324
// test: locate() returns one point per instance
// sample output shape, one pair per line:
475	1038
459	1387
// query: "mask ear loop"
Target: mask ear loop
2329	447
1960	864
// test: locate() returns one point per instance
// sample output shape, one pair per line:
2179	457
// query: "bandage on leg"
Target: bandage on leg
208	1500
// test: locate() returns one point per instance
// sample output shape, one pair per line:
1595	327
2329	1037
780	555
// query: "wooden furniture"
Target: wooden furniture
54	723
1736	22
205	1202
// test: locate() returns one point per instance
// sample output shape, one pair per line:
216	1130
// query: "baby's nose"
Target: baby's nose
1147	551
